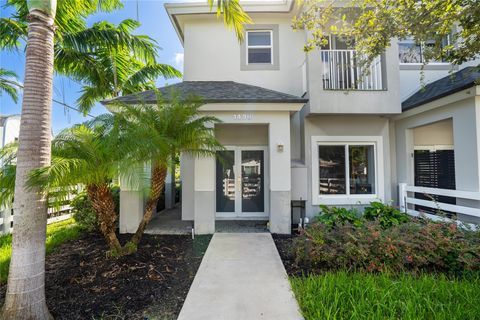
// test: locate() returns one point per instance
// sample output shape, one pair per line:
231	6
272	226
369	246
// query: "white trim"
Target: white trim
238	214
436	147
472	195
346	199
247	46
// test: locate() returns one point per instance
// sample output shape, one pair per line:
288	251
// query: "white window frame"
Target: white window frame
248	46
348	199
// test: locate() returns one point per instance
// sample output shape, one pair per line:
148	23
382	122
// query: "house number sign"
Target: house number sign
243	116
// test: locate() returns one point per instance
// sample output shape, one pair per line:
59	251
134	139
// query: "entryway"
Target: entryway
241	183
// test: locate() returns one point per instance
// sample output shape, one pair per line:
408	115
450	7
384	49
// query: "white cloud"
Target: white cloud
179	59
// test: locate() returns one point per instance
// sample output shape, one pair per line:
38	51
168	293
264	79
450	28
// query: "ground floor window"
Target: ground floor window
344	168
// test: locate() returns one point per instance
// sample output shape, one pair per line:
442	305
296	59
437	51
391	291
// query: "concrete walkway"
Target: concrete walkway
241	277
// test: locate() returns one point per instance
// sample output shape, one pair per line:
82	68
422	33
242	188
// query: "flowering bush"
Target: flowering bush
416	246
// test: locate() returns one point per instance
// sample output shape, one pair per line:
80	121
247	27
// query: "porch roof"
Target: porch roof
458	81
212	92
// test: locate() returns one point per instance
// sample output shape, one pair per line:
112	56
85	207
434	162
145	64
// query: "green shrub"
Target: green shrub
83	212
386	215
412	246
334	216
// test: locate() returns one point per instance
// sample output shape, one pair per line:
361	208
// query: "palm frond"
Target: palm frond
11	32
233	15
141	46
148	74
8	84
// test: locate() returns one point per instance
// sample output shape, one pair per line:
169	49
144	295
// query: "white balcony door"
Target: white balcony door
241	183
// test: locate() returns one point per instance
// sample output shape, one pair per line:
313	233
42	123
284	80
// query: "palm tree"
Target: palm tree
109	71
77	44
25	297
8	84
87	154
158	132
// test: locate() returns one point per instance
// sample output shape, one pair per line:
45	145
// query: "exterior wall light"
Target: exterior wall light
279	147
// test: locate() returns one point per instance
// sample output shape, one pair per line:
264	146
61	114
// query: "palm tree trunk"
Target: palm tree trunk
25	297
103	204
159	172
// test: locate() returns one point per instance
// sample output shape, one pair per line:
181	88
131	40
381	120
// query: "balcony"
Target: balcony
342	70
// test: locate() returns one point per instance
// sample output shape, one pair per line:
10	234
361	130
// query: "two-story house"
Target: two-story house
311	127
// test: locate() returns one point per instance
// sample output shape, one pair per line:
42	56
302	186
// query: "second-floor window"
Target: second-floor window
259	47
411	52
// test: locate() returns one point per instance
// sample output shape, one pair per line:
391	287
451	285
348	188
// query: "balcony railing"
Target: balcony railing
342	70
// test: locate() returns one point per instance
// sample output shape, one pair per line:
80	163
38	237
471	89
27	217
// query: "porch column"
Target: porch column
170	188
466	135
204	195
132	204
280	172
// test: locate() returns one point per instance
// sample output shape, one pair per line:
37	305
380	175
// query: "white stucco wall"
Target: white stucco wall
414	76
198	175
356	102
348	126
10	130
213	53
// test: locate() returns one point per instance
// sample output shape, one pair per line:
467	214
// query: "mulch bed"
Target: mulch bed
284	247
82	283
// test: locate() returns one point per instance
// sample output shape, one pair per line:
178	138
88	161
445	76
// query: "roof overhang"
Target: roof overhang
441	102
178	11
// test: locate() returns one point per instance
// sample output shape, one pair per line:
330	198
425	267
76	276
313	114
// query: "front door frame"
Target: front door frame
238	214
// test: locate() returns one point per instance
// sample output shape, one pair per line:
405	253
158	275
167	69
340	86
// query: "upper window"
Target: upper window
346	172
260	50
259	47
411	52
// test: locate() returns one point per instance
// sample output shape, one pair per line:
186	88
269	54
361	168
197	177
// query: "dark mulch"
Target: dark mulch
284	247
82	283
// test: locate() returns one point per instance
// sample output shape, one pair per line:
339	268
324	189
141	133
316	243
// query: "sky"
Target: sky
155	23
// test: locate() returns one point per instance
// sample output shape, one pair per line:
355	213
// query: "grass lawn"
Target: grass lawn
367	296
57	233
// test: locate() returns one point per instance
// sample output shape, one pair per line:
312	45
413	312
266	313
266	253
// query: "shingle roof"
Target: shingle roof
213	92
453	83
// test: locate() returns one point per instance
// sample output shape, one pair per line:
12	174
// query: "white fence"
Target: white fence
469	208
55	214
342	70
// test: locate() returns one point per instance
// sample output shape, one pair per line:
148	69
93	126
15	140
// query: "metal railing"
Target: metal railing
343	70
410	202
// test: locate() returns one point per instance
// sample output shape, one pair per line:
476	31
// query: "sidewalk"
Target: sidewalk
241	277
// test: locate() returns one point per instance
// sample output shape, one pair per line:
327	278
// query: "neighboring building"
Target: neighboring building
9	132
310	126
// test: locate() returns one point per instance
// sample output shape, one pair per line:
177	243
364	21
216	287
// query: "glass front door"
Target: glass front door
240	182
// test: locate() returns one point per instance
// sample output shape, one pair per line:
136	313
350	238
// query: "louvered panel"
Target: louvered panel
434	169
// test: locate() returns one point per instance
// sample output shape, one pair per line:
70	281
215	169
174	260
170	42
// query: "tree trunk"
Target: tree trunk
103	204
25	297
159	172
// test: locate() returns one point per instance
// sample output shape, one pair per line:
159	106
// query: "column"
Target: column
204	195
280	173
132	204
170	188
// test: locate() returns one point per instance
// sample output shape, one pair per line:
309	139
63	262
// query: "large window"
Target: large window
346	171
259	47
411	52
